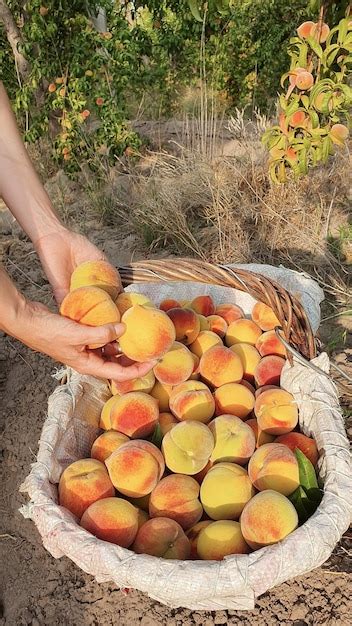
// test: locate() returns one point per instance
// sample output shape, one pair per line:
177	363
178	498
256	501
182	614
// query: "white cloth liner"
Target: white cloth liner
72	424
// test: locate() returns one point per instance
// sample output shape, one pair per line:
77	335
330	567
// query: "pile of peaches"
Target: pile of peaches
199	458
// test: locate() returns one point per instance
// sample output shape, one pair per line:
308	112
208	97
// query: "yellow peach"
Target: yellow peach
106	443
274	466
264	316
235	399
127	299
112	519
205	340
105	420
162	393
82	483
225	491
219	366
145	384
268	343
268	518
234	440
219	539
268	370
192	400
203	323
260	436
176	366
193	534
203	305
187	324
187	447
135	414
162	537
97	274
217	325
149	333
135	468
166	422
249	356
242	331
176	497
229	312
169	303
276	411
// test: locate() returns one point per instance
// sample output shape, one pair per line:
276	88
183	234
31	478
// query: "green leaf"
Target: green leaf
305	101
303	54
297	498
193	5
157	436
307	475
316	47
343	29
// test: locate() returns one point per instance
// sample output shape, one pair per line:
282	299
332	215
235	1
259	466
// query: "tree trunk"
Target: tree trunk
14	38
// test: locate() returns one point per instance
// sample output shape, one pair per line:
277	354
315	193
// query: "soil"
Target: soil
38	590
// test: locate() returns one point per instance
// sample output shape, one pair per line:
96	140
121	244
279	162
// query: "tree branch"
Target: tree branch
14	38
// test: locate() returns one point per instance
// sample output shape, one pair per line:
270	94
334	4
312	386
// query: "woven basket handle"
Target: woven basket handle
289	311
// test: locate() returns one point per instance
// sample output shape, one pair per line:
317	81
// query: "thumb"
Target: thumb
94	335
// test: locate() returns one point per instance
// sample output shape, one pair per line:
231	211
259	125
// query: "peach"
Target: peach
268	518
161	393
141	503
219	539
82	483
225	491
112	519
149	333
143	517
187	447
234	440
192	401
276	411
305	29
205	340
106	443
268	370
242	331
97	274
127	300
162	537
186	304
260	436
176	497
203	305
135	468
320	32
203	323
166	422
339	134
264	388
304	80
248	385
274	466
193	534
235	399
217	325
176	366
187	324
219	366
268	343
195	373
199	476
264	316
229	312
169	303
105	416
135	414
145	384
91	306
306	444
249	356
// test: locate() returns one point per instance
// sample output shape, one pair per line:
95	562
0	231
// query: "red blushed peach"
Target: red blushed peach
268	371
276	411
249	356
162	393
219	366
267	518
126	300
260	437
135	414
192	401
306	444
265	388
187	325
112	519
135	468
149	333
305	29
176	497
193	534
162	537
205	340
219	539
229	312
274	466
97	274
176	366
203	305
233	399
268	343
82	483
166	422
145	384
242	331
234	440
264	316
106	443
167	304
217	325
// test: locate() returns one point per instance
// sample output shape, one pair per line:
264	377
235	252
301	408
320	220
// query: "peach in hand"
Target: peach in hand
203	305
135	414
112	519
274	466
127	299
192	400
205	340
162	537
187	447
135	468
242	331
97	274
229	312
276	411
268	518
250	358
176	366
82	483
306	444
219	539
225	491
235	399
187	324
234	440
149	333
219	366
176	497
106	443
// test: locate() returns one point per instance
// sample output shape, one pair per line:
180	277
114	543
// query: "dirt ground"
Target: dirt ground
38	590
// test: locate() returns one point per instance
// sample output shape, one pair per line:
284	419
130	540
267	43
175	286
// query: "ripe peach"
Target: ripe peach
217	325
135	414
176	497
205	340
264	316
304	80
127	300
203	323
166	422
91	306
249	356
176	366
161	393
112	519
320	32
235	399
242	331
105	416
162	537
106	443
339	134
145	384
187	447
225	490
97	274
305	29
229	312
234	440
274	466
306	444
149	333
268	370
219	539
187	324
167	304
260	436
219	366
135	468
82	483
299	118
268	518
193	534
195	373
268	343
276	411
186	304
264	388
203	305
192	401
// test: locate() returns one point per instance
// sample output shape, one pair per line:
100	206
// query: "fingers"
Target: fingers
95	335
95	365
